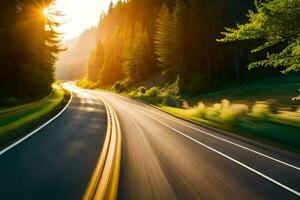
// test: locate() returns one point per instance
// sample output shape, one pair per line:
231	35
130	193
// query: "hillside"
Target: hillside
71	63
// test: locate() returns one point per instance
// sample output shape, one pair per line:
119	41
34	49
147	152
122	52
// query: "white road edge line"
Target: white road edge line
36	130
225	140
226	156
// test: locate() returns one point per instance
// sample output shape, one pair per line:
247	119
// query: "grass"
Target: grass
13	120
280	90
261	110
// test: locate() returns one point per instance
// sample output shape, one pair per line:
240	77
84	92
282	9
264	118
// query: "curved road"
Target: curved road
163	157
56	162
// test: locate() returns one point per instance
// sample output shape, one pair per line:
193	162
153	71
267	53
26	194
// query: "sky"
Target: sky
80	15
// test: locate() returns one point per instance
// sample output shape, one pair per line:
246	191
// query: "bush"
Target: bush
185	105
213	112
118	87
87	84
200	110
233	113
221	112
170	100
133	93
261	110
142	90
152	92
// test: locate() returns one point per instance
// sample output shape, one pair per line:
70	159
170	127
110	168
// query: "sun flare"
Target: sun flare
46	12
80	15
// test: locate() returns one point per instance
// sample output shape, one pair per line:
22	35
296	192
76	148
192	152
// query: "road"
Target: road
56	162
163	157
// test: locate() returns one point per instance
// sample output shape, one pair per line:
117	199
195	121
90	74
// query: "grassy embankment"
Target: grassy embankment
261	110
14	121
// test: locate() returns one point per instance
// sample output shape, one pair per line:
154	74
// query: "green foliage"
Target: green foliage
296	98
152	92
163	39
276	22
142	90
138	58
279	129
171	100
120	86
261	111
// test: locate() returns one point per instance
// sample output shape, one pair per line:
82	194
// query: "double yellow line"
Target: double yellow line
104	182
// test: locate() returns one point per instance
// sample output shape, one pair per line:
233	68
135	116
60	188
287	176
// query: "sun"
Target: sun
46	12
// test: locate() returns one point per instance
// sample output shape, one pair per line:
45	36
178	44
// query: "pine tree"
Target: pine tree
111	71
95	63
163	40
33	44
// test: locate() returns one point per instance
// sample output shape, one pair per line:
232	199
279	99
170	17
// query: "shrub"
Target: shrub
233	113
261	110
225	104
142	90
117	87
152	92
213	112
170	100
120	86
199	110
133	93
185	105
87	84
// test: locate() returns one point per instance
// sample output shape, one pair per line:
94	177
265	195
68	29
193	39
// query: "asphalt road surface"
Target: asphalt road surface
163	157
56	162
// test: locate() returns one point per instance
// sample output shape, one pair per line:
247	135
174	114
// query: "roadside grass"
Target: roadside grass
261	110
277	90
13	120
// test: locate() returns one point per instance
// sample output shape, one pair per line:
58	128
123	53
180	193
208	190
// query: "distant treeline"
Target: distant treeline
28	46
178	38
71	63
138	38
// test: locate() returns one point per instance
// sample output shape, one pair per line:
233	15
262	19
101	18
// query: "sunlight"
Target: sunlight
80	15
46	12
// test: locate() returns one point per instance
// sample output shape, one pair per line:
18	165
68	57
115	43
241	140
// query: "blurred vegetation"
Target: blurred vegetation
29	44
271	120
263	109
270	128
14	120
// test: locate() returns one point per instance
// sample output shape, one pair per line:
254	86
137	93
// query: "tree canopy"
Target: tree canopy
31	44
276	24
